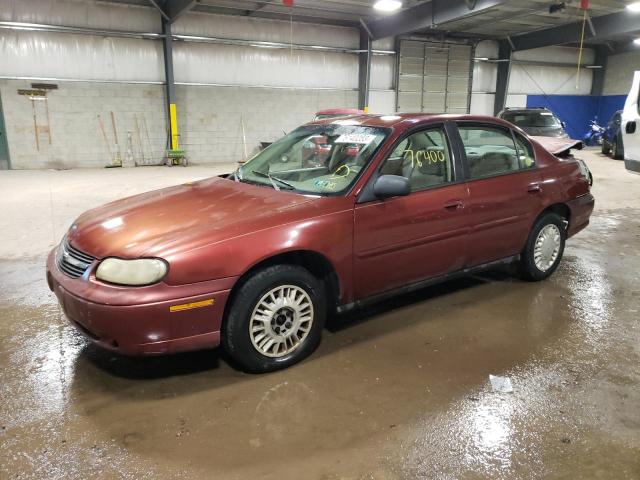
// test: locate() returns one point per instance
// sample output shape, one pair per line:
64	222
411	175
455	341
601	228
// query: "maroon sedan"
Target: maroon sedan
257	259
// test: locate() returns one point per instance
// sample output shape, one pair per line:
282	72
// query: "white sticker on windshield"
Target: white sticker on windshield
361	138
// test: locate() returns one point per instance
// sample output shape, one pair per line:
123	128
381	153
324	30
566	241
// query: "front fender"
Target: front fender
330	235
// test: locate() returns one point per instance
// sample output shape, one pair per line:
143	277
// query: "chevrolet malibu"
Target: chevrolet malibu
257	259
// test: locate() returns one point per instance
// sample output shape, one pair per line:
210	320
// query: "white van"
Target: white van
631	126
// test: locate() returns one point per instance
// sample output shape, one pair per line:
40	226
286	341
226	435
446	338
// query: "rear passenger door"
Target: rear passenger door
505	189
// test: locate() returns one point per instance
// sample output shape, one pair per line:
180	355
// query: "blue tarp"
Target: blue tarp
577	111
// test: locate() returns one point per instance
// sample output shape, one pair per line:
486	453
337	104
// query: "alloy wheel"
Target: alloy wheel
281	320
547	247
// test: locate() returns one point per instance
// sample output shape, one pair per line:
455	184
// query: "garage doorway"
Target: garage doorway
434	77
4	147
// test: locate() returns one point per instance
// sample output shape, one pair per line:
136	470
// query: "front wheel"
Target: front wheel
617	149
275	319
544	248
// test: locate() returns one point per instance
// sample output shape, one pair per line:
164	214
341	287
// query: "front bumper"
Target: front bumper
168	319
632	165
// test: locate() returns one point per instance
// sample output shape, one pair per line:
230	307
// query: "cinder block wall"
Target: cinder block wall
210	118
209	121
69	135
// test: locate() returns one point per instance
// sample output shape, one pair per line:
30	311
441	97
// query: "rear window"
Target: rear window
492	150
532	119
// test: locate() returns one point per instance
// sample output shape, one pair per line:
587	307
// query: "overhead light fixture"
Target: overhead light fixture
634	7
636	41
387	5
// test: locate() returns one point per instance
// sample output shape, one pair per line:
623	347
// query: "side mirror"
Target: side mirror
388	186
563	124
630	127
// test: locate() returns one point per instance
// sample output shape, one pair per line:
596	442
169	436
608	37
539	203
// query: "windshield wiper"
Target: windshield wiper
273	180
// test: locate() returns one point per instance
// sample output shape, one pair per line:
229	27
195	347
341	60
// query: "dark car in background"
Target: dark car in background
612	137
539	122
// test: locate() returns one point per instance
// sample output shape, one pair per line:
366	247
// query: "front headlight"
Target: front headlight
142	271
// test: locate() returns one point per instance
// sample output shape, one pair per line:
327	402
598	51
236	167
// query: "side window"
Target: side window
489	150
423	158
526	153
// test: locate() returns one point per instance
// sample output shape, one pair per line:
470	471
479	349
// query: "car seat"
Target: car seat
416	166
492	163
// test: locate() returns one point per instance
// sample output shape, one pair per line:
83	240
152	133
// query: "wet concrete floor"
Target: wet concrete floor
397	391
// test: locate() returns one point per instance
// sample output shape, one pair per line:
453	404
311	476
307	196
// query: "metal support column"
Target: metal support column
502	81
364	70
170	88
597	84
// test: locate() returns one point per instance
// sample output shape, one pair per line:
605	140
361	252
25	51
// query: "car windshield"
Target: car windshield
314	159
532	119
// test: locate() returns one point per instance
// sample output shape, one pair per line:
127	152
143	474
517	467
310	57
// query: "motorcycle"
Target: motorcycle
594	135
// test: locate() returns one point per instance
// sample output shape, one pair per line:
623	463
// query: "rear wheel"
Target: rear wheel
605	148
544	248
275	319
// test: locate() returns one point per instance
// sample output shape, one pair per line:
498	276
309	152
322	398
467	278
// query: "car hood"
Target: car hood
164	222
546	131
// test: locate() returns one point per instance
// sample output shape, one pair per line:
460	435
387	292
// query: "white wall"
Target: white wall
484	79
619	73
273	90
64	55
549	80
527	79
81	13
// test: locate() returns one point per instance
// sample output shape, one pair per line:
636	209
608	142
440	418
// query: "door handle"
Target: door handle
535	188
454	205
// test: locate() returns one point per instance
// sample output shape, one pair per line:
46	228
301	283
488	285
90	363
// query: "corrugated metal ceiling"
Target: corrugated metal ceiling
523	16
508	19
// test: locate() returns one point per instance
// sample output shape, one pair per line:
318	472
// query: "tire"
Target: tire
530	269
244	313
605	148
617	152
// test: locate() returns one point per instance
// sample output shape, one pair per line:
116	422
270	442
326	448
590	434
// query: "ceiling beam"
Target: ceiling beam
176	8
429	15
605	26
296	17
171	10
160	9
622	47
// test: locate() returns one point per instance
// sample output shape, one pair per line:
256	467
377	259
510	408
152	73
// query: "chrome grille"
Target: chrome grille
72	261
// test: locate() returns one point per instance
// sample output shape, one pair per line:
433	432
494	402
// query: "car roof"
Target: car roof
525	110
338	111
403	121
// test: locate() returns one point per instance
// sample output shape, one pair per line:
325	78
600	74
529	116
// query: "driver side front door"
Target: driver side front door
403	240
